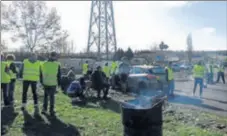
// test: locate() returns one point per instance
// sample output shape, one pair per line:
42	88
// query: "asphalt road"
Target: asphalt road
214	96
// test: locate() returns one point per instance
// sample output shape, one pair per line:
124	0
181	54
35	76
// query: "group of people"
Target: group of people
33	71
99	79
199	71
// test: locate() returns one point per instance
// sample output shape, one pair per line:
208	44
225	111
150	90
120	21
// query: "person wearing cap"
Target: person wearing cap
170	79
99	82
50	79
31	71
5	79
13	75
198	73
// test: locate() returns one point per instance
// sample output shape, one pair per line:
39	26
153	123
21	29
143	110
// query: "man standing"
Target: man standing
198	72
13	75
31	71
113	67
50	79
221	70
85	68
106	70
170	79
211	73
5	80
98	82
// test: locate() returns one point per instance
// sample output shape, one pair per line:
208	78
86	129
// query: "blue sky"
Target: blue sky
142	24
208	13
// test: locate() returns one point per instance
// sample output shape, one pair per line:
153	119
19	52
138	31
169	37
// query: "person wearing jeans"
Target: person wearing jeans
5	80
13	75
170	79
50	79
198	72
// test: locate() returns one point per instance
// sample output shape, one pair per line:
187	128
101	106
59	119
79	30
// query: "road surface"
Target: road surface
214	96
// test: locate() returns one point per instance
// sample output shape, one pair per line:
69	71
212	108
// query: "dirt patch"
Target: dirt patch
195	117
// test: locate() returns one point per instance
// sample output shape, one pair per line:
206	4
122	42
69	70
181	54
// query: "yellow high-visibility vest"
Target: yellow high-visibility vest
198	71
49	73
85	68
113	67
106	70
12	75
170	74
221	69
5	77
31	71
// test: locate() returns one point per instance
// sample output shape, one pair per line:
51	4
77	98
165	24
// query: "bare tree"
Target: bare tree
154	47
3	46
189	47
3	27
33	24
163	46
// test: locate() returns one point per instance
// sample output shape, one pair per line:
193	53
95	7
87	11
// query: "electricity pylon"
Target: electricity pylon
101	35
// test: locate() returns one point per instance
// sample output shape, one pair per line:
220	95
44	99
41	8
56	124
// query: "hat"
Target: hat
53	54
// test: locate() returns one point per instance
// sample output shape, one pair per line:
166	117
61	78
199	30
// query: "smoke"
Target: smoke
145	99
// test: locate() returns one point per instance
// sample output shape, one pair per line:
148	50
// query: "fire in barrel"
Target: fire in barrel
143	115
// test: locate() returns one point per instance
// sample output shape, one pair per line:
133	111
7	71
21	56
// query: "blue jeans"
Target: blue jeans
200	82
171	87
11	91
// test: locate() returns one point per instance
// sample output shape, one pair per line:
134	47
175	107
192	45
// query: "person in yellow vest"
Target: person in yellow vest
221	73
106	70
51	76
5	79
113	67
13	75
31	71
198	73
170	79
85	67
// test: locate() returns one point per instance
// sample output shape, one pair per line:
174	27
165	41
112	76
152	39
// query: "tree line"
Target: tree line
34	25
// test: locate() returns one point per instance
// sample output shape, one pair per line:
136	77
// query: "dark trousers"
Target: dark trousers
49	93
222	75
4	88
105	87
11	91
26	85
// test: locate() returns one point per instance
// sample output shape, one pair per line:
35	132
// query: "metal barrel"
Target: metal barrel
143	121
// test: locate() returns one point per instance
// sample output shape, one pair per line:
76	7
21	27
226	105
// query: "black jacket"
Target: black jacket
97	78
12	67
58	75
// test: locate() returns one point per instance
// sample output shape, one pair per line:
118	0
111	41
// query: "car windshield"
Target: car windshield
156	70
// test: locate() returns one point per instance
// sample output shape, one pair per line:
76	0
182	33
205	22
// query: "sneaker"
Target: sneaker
52	114
193	94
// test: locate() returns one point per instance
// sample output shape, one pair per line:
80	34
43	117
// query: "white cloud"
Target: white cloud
138	24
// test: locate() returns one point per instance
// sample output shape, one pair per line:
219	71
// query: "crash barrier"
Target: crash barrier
183	75
143	116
